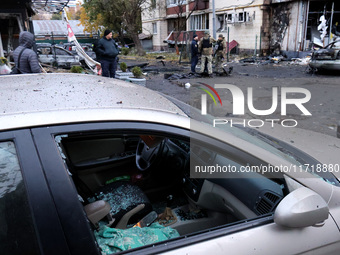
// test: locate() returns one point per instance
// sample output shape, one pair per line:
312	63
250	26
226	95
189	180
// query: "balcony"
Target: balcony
182	37
200	5
193	6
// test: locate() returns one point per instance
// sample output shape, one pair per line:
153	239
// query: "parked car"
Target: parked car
86	46
85	161
338	130
55	55
327	58
41	45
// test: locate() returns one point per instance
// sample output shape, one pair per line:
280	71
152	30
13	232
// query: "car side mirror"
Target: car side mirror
301	208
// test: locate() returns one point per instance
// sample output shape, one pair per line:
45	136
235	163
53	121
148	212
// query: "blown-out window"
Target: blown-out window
199	22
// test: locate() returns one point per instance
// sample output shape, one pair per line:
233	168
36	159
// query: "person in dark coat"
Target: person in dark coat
108	52
194	53
29	62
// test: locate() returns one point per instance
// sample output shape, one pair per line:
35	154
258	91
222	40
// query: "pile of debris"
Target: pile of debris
176	76
275	60
301	61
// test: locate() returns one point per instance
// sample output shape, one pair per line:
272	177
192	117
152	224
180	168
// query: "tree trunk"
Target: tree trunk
121	38
138	44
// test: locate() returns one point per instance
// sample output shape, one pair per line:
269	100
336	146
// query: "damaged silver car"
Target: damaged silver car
93	165
327	58
57	56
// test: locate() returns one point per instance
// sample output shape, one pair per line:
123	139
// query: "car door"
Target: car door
65	58
46	55
29	220
254	235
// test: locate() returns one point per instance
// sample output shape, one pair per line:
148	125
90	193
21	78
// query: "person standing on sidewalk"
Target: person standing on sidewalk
28	59
108	52
205	47
194	53
221	47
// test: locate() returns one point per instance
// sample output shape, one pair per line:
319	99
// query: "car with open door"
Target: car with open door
94	165
57	56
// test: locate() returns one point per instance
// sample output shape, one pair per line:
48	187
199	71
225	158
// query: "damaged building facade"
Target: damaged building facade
15	16
296	24
244	18
262	26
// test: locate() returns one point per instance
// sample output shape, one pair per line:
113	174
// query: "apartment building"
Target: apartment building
264	25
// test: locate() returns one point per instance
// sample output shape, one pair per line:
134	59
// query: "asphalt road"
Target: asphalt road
324	104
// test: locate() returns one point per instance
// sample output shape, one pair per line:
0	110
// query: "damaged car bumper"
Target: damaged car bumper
327	58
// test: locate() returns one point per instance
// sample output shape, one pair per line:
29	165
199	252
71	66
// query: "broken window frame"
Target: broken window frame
221	22
229	18
199	22
172	3
240	17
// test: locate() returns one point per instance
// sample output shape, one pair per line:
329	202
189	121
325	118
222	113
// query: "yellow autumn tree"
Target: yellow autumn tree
91	27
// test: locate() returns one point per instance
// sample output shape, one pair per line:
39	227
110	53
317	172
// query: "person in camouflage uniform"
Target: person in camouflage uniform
220	51
205	47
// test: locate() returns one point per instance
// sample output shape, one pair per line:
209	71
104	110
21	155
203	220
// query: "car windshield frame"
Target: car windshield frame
266	142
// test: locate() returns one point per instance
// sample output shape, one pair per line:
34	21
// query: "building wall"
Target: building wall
279	25
247	34
250	33
157	16
288	30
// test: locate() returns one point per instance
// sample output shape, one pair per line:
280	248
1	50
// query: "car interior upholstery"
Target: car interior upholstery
135	174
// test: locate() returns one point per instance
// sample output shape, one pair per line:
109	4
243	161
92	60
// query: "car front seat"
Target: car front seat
128	202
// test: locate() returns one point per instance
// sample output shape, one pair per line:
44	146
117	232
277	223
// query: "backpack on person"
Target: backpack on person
16	69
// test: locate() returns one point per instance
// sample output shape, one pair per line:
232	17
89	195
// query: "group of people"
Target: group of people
26	60
107	52
205	48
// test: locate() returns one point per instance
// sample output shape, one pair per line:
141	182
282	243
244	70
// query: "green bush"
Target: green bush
137	72
77	69
123	66
125	51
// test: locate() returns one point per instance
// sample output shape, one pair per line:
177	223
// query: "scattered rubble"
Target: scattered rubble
301	61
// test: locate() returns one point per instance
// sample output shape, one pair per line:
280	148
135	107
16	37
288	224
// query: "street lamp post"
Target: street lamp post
214	19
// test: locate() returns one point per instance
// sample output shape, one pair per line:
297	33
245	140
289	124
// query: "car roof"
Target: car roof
42	99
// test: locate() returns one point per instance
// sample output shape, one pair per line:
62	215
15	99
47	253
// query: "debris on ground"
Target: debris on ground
161	61
263	60
141	65
227	69
301	61
178	83
177	76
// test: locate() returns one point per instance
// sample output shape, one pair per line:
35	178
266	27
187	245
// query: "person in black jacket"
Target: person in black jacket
108	52
29	62
194	53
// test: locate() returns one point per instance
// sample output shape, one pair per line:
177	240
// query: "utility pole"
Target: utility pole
331	24
214	19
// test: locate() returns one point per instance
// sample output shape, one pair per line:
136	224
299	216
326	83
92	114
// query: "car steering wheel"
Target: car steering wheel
146	156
